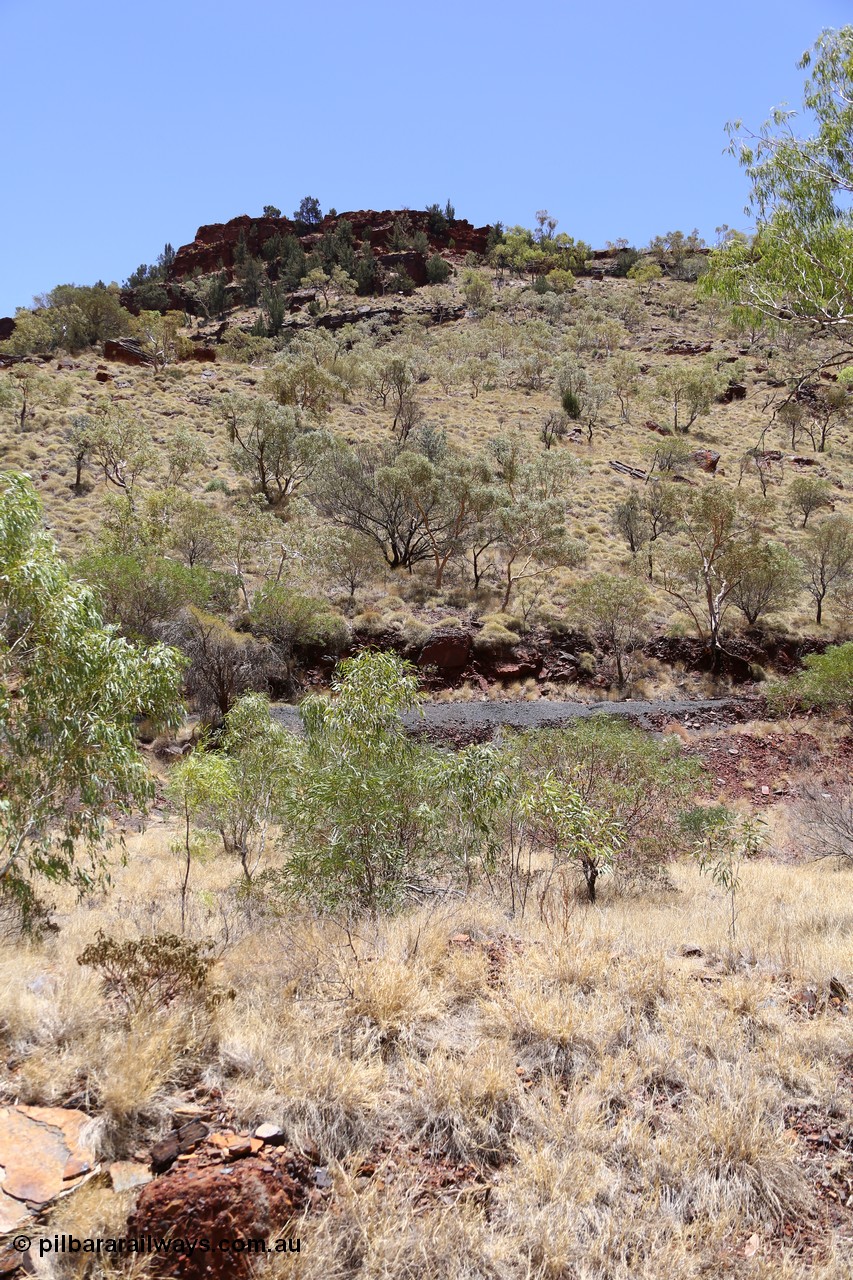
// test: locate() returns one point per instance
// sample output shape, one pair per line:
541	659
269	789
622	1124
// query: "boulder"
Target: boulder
682	347
125	351
253	1199
408	261
7	327
734	391
450	652
655	426
706	459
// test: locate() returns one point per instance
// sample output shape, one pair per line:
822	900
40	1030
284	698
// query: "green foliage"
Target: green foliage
309	214
722	840
139	592
216	294
766	577
476	290
271	211
826	683
368	277
237	788
359	815
678	255
399	281
807	494
569	829
273	447
701	575
795	270
70	318
294	622
615	610
625	260
687	391
67	744
222	663
642	783
437	269
145	976
827	559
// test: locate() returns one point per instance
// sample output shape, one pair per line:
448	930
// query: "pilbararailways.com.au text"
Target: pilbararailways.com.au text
148	1244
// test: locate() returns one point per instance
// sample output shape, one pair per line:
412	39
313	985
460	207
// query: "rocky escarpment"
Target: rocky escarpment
214	246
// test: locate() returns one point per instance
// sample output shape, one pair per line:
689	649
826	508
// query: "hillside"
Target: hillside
463	994
470	367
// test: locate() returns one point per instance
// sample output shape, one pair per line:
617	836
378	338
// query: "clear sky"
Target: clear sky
125	126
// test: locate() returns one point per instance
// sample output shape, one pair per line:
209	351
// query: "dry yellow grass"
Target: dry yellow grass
621	1110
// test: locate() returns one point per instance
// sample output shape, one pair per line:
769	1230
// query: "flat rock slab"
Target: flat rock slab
43	1155
125	1175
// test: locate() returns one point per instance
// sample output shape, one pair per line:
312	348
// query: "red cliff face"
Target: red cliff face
214	245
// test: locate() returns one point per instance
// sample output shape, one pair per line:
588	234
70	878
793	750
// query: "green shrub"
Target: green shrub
139	592
437	269
826	683
293	621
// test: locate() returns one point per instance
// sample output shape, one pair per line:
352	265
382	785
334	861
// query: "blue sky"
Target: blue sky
126	126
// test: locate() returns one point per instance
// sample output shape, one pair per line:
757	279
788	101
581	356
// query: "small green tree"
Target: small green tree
80	439
571	830
807	494
476	290
309	214
533	538
644	274
22	387
827	559
350	560
123	449
702	574
722	841
192	781
687	391
437	269
766	577
273	446
357	819
70	694
615	610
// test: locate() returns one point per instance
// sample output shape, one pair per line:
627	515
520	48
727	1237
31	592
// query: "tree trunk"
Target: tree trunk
590	875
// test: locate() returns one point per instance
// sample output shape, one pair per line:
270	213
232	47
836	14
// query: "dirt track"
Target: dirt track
480	719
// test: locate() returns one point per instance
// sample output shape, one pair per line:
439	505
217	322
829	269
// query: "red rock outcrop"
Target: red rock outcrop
214	245
217	1206
125	351
706	459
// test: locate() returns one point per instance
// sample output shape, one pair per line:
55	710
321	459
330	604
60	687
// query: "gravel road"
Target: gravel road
452	716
